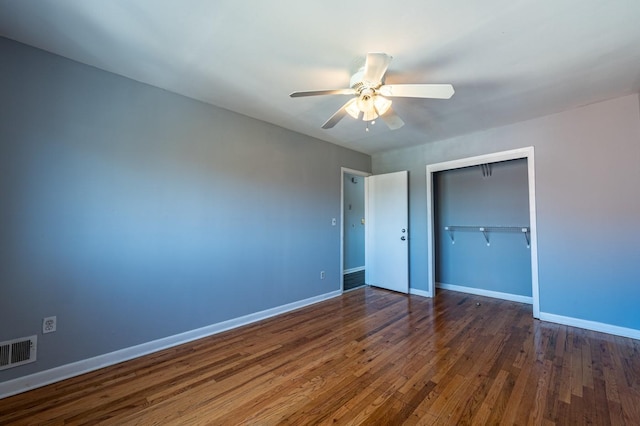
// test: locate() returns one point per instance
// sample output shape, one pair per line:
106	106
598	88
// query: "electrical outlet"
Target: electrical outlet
49	325
322	275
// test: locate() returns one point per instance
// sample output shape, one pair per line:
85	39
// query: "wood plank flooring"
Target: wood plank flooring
367	357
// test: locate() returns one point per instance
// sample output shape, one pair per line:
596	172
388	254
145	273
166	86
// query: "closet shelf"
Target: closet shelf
487	229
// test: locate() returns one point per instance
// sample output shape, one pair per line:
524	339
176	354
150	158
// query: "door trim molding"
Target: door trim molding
343	171
528	153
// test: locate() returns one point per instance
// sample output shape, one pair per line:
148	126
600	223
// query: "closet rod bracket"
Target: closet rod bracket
486	235
446	228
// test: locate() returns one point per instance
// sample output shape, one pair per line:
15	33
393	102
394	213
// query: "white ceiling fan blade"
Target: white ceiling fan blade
375	67
392	120
434	91
339	115
323	92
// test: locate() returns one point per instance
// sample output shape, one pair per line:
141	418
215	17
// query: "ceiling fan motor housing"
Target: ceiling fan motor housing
358	84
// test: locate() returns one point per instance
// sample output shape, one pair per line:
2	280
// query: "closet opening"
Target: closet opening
482	228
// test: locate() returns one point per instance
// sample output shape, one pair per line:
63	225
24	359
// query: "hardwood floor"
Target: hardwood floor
368	357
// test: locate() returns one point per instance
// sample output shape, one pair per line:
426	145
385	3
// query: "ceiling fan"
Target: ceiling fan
370	94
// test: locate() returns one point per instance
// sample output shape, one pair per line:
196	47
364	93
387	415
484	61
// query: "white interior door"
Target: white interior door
387	232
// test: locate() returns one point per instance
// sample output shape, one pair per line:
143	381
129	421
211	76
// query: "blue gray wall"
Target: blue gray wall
133	214
353	227
587	166
466	197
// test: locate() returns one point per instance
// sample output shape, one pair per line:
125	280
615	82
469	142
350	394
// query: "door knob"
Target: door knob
403	238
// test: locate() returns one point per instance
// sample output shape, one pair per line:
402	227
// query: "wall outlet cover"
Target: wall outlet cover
49	325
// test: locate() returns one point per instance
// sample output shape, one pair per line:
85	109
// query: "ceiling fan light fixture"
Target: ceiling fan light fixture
381	104
365	100
369	115
353	110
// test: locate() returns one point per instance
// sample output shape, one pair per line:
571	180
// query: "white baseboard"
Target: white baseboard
558	319
417	292
352	270
487	293
43	378
591	325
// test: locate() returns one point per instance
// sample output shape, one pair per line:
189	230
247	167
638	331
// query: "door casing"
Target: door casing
528	154
343	171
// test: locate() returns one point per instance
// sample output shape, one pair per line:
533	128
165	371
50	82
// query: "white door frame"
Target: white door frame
527	153
343	171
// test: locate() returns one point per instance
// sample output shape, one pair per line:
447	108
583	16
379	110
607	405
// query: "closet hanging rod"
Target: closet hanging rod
486	229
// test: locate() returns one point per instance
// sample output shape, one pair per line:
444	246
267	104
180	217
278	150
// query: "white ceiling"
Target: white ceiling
508	60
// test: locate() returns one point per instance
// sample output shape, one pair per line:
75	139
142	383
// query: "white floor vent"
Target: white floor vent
17	352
